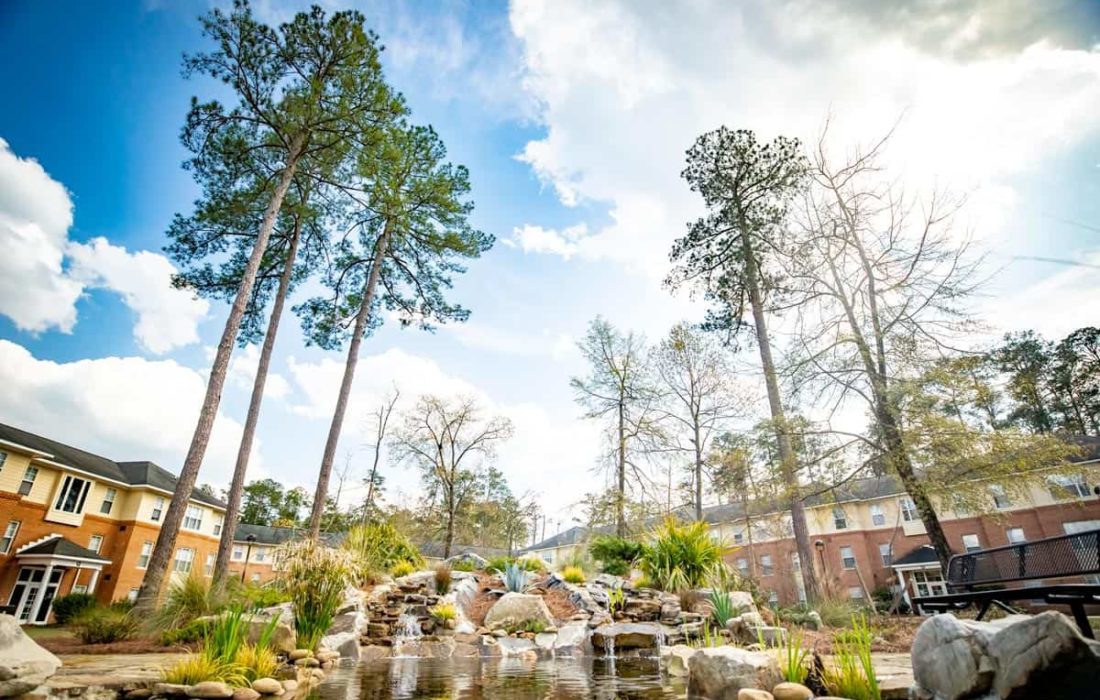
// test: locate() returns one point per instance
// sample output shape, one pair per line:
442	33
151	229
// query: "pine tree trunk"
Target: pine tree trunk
173	518
236	487
787	459
337	424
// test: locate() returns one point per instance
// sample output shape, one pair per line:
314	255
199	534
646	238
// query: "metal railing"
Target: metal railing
1054	557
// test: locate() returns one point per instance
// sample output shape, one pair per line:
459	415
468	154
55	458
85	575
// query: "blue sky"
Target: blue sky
572	118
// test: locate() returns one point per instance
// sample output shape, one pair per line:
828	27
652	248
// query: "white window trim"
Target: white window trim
14	533
141	553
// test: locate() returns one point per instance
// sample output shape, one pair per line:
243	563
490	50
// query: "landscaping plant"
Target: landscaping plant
515	578
723	609
443	612
792	658
315	577
257	661
67	607
380	547
402	568
464	565
851	674
573	574
442	579
616	599
187	599
195	668
103	625
616	554
679	556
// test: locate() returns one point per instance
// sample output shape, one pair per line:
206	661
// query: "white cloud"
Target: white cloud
1055	305
242	372
35	216
125	408
536	239
625	87
43	274
512	342
547	454
167	317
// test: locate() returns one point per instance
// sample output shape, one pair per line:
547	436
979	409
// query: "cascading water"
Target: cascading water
406	630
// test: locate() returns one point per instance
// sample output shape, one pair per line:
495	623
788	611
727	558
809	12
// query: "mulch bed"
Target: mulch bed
556	600
891	635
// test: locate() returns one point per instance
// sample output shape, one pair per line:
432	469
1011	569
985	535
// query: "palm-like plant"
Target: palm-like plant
680	556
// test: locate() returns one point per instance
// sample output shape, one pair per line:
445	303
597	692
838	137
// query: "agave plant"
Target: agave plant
515	578
723	607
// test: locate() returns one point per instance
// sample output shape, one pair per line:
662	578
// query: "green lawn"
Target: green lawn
48	632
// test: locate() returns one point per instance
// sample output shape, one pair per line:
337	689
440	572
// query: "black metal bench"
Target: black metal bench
979	578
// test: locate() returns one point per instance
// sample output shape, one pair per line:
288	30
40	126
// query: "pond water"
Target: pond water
475	678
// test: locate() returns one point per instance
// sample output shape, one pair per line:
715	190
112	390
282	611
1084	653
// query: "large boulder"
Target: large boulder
515	609
674	659
344	634
1016	658
23	664
718	673
628	635
477	560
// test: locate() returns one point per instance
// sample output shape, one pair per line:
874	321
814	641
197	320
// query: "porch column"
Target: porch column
91	584
40	596
904	588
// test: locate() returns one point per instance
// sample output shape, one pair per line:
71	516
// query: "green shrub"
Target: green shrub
463	565
380	547
498	563
194	631
573	574
679	556
402	568
615	554
315	577
195	668
67	607
723	608
852	675
186	600
257	597
792	657
531	564
99	625
226	634
838	612
442	579
257	661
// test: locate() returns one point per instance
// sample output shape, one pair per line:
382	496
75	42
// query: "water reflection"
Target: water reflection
474	678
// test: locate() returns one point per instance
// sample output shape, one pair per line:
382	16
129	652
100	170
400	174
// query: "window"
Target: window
796	563
218	525
855	593
79	588
766	567
971	543
886	552
743	566
108	501
256	577
146	552
192	519
95	543
133	594
238	552
208	568
1016	535
184	557
28	480
73	492
1069	487
259	554
840	520
878	515
847	558
3	458
908	509
738	537
773	598
158	510
1000	499
9	536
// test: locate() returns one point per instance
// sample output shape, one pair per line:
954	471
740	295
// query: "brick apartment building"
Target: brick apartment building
72	521
867	534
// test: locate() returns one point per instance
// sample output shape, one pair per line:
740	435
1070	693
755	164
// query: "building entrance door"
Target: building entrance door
30	585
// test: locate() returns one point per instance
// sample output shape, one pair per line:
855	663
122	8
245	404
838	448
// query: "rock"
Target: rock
373	652
572	640
138	694
742	600
170	689
307	662
752	619
514	646
814	621
210	689
290	685
296	654
23	664
516	609
719	673
792	691
628	635
545	640
245	694
327	655
674	659
1018	657
377	629
771	636
284	638
478	561
344	645
500	633
267	686
753	694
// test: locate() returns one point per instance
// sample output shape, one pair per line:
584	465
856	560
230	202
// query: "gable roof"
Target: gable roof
58	546
126	473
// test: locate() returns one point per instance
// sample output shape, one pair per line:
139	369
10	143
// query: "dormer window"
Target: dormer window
74	491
